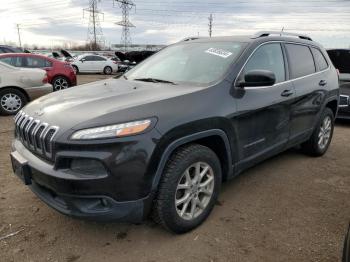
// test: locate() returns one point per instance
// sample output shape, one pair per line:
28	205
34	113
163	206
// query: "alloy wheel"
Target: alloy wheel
325	132
108	70
194	190
60	84
11	102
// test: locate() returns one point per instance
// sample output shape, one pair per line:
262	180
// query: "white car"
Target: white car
90	63
19	86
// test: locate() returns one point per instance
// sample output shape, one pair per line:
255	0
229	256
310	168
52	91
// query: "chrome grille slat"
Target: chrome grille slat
21	128
38	137
34	134
20	120
26	129
49	136
31	134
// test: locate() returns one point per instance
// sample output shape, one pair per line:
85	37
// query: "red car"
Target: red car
60	74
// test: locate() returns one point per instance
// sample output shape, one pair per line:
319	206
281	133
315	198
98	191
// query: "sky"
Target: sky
63	22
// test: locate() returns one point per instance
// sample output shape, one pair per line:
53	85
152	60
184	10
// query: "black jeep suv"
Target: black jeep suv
161	139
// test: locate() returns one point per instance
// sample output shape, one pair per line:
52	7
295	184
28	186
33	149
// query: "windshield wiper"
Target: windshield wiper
154	80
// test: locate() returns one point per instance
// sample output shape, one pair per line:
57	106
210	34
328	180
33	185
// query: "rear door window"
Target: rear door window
268	57
320	61
89	58
14	61
99	58
301	62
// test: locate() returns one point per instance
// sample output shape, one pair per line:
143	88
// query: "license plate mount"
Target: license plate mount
21	168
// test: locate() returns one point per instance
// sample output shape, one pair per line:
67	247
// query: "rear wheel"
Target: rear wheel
319	142
11	101
60	83
188	189
108	70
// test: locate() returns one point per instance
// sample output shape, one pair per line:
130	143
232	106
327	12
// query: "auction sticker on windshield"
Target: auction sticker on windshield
218	52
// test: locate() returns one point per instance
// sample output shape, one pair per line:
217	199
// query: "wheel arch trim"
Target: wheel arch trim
185	140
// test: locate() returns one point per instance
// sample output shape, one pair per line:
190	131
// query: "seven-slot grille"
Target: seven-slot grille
34	134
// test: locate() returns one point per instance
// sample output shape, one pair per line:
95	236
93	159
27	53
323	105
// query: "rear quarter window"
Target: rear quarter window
320	60
301	61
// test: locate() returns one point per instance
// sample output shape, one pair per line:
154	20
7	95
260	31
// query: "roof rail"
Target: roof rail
281	33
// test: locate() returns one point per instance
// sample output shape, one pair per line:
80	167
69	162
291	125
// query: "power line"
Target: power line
125	5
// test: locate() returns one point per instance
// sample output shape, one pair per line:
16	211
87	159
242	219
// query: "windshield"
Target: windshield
196	63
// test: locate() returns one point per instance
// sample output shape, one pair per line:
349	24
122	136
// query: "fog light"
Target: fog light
87	166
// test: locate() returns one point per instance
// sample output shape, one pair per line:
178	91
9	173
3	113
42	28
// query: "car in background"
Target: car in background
10	49
60	74
89	63
341	60
19	86
126	65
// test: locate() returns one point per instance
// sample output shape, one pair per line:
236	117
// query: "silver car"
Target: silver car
19	86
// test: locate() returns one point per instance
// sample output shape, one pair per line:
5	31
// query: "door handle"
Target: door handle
287	93
322	83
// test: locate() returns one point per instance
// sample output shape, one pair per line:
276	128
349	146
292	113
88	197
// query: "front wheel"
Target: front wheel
188	188
11	101
321	138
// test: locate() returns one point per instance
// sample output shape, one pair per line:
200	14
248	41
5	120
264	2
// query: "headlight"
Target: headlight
120	130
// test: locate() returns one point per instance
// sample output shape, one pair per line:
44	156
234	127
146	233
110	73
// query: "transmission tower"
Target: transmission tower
126	6
95	34
210	18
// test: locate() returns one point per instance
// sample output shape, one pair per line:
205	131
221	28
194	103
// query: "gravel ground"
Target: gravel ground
289	208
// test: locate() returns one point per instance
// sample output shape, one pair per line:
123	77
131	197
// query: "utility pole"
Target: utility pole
210	18
19	36
95	34
125	5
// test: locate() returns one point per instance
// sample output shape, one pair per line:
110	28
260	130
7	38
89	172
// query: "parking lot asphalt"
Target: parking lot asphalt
289	208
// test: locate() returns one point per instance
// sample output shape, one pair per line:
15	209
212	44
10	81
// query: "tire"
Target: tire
60	83
187	158
314	146
346	247
11	101
108	70
76	69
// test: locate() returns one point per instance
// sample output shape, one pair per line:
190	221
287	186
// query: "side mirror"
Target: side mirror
82	60
133	63
258	78
126	62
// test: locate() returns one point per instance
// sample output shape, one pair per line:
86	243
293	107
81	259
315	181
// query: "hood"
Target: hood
101	102
66	54
56	55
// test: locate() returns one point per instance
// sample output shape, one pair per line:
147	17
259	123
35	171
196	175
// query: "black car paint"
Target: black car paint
245	126
341	61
